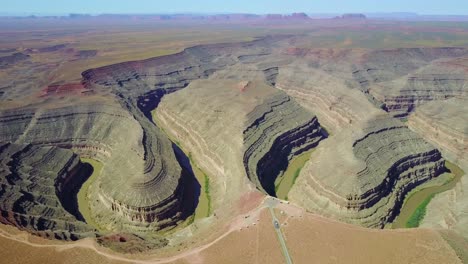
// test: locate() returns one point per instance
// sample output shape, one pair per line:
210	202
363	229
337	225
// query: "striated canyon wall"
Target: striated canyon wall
445	125
376	167
362	172
241	133
38	185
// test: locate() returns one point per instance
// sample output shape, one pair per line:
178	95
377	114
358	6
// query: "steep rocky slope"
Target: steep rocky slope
143	190
336	105
103	132
236	131
239	110
379	158
445	125
396	80
402	79
278	129
38	190
377	166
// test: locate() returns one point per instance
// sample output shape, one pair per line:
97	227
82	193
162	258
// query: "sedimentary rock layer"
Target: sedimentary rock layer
402	79
362	172
141	183
396	80
38	190
104	132
336	105
156	194
277	130
376	167
445	124
10	60
238	132
360	177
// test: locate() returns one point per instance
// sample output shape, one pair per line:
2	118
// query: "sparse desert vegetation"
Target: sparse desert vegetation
414	205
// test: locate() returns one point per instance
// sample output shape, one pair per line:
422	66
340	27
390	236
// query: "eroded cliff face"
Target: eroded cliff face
104	133
395	80
240	109
38	190
378	166
362	172
141	186
277	130
445	125
403	79
241	133
329	96
155	198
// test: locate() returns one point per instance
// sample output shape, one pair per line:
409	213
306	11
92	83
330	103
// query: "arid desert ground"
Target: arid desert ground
233	139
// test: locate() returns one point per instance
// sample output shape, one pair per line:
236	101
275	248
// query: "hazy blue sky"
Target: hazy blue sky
229	6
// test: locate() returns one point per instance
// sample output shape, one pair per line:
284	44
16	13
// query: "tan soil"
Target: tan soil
252	239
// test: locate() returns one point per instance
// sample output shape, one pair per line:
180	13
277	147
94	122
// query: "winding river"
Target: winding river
423	196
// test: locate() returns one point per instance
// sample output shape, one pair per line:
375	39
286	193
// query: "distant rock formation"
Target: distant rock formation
10	60
293	16
84	54
46	49
300	15
351	16
401	79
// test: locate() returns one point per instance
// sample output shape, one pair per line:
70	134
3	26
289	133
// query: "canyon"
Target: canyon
375	123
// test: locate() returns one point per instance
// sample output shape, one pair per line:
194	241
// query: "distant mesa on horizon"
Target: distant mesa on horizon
292	16
351	16
296	17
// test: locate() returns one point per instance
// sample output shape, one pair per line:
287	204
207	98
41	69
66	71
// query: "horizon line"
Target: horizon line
44	14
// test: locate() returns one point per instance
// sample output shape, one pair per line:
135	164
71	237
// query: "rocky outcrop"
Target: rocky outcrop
402	79
144	189
293	16
362	172
352	16
85	54
239	132
336	105
376	168
102	132
53	48
221	103
276	131
155	198
83	128
444	125
65	90
10	60
38	190
421	88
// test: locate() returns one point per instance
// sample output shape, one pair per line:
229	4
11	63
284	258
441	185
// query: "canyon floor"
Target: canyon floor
130	140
